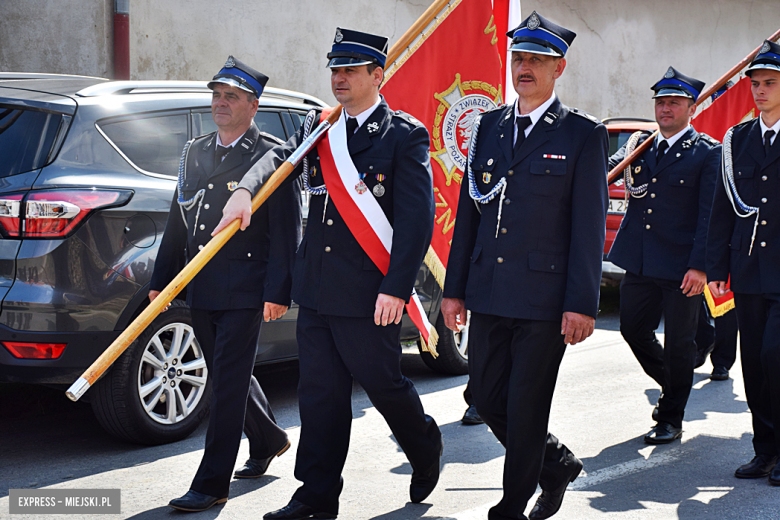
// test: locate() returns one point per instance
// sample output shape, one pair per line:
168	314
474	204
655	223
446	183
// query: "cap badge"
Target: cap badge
232	185
533	22
372	127
764	48
669	73
339	36
230	63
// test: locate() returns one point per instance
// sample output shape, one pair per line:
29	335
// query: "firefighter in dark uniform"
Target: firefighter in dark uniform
662	243
350	313
247	281
526	261
748	250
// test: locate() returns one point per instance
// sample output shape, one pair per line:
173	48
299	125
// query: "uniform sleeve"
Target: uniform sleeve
707	180
171	256
284	214
588	225
464	237
413	210
721	227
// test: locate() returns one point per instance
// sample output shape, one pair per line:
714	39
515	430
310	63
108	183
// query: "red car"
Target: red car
620	129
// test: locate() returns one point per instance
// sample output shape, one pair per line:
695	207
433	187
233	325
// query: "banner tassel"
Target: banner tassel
430	345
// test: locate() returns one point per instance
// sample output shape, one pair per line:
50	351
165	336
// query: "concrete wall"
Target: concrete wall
56	36
622	48
287	40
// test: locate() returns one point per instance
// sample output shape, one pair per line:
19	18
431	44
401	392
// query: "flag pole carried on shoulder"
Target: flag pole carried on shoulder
121	343
617	170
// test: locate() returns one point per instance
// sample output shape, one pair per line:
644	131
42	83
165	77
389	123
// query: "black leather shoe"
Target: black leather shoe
759	467
297	511
472	416
254	468
663	433
719	373
549	502
423	482
701	355
194	501
774	477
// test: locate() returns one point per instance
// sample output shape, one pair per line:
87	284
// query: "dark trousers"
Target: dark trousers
642	302
759	329
334	350
467	395
719	333
513	366
229	342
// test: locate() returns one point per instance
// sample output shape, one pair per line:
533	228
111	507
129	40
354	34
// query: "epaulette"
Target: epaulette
587	116
408	118
743	123
499	108
270	137
707	138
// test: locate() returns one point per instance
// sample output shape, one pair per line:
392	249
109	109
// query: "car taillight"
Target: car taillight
9	214
26	350
54	213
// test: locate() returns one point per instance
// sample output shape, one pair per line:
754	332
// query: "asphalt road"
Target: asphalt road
601	411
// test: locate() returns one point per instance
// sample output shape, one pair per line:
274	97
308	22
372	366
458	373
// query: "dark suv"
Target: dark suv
87	172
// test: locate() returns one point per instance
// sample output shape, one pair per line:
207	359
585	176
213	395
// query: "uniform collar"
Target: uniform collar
365	114
231	145
676	137
536	114
764	128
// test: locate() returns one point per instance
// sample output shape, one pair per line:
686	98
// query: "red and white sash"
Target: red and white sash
363	215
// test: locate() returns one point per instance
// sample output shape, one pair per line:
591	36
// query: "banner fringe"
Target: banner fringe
430	346
434	264
717	310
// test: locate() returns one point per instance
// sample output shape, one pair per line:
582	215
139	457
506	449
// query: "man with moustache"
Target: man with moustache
662	244
526	261
247	281
747	249
350	311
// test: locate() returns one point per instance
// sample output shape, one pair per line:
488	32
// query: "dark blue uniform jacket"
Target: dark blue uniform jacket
332	273
757	177
255	265
664	233
547	257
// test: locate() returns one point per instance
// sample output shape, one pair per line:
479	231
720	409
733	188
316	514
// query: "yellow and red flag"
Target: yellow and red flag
451	74
732	107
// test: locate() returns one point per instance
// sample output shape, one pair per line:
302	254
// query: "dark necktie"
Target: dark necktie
351	127
659	154
521	123
221	153
768	140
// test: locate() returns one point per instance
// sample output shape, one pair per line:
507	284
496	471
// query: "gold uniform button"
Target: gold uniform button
763	244
763	222
647	226
655	180
546	171
330	222
249	255
763	200
202	227
652	195
200	247
649	211
206	206
510	172
503	231
327	249
211	186
763	178
552	267
500	260
507	201
682	181
370	167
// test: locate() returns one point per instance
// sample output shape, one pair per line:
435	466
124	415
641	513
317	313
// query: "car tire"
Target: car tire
138	400
452	348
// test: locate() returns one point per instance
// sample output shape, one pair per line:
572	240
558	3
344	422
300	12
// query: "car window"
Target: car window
268	122
153	144
617	140
26	139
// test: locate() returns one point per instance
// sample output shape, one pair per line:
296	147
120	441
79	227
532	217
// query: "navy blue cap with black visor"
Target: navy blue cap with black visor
240	75
538	35
675	83
768	58
354	48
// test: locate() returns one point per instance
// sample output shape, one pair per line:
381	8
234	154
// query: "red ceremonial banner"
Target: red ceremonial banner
732	107
451	74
